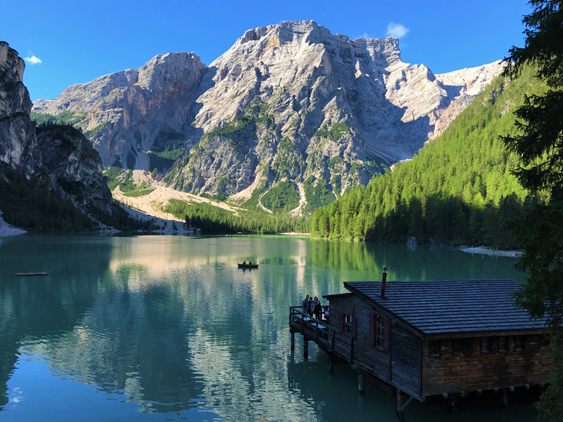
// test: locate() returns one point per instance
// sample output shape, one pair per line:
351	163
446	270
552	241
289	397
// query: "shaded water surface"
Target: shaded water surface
156	328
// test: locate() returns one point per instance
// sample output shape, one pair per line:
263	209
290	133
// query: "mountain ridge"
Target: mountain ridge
287	103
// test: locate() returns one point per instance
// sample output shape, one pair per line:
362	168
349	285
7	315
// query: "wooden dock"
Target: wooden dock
338	345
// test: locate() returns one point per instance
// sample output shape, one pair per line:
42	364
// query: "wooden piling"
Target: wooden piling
401	404
400	411
331	370
361	387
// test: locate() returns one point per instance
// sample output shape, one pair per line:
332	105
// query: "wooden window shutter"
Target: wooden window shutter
354	327
372	329
386	335
341	322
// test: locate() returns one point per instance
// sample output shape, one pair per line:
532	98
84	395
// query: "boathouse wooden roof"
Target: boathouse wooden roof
449	306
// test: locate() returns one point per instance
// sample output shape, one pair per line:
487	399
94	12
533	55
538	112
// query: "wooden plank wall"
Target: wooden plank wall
339	306
452	373
400	367
406	352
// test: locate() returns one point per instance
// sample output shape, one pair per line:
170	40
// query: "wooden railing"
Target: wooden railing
337	343
324	335
311	327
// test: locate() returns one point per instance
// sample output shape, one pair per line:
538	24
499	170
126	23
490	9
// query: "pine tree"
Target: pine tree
539	142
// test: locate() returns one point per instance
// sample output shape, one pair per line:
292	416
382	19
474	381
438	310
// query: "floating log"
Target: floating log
30	274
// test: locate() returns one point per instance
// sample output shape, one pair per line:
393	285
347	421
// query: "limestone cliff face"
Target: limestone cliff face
74	168
293	101
128	113
57	157
287	102
18	145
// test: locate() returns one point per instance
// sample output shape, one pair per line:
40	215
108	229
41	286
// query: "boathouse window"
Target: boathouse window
544	342
467	346
379	332
485	345
347	323
502	344
457	346
434	347
519	343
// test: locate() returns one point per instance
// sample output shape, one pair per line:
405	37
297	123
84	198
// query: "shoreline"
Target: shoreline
9	230
495	252
294	234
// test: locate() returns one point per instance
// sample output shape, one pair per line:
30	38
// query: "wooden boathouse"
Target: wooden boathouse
429	338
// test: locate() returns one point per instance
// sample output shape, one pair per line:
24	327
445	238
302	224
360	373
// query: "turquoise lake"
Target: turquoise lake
166	328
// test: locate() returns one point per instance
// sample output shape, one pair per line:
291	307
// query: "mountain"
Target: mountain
47	163
289	118
459	189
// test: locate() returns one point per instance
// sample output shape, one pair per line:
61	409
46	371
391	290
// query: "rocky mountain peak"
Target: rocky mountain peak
383	52
172	71
279	34
11	64
289	104
16	130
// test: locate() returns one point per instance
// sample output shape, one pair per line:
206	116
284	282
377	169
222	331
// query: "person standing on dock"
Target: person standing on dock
313	307
318	311
305	306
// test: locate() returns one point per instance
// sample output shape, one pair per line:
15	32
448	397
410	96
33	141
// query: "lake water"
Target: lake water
166	328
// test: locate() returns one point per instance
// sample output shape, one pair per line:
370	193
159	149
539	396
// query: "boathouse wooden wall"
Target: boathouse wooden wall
400	366
406	352
471	369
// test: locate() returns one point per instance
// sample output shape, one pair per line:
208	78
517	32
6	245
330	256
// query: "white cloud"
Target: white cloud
396	30
32	60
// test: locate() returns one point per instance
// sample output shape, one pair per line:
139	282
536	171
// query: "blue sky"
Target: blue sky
67	42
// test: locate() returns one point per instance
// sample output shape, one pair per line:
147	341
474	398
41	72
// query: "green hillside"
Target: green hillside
459	188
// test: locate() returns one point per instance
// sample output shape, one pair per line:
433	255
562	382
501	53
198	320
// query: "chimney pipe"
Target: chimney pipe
383	282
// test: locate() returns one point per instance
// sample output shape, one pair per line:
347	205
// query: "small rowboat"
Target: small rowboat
247	265
29	274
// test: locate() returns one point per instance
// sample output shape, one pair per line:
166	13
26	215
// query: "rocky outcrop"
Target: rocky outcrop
74	168
287	102
56	157
463	85
18	146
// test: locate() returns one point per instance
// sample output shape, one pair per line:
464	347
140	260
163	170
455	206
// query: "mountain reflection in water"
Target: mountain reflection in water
167	327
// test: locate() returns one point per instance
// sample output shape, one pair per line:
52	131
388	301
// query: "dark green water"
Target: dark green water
156	328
